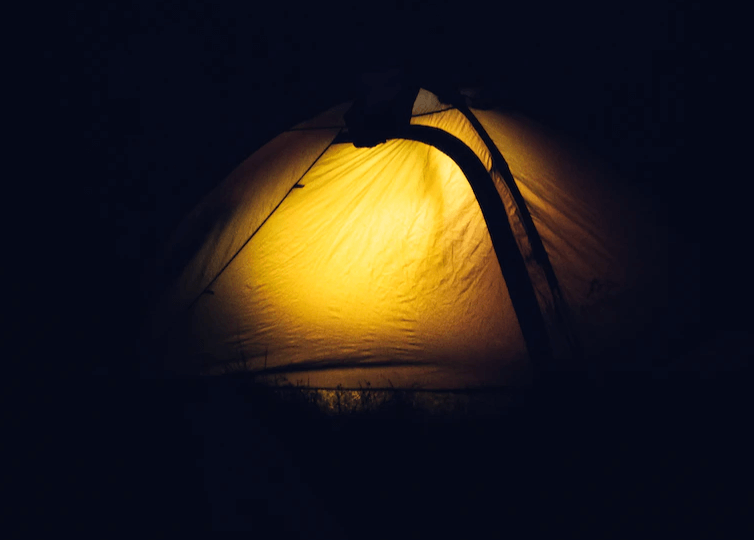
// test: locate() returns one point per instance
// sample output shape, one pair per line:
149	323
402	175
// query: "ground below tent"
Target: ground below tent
221	454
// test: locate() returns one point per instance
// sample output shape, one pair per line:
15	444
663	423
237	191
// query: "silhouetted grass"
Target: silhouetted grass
235	452
568	448
368	402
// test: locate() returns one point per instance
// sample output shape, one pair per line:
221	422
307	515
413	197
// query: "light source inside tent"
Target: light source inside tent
383	256
380	267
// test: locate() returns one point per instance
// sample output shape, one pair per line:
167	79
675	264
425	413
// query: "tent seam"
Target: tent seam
225	267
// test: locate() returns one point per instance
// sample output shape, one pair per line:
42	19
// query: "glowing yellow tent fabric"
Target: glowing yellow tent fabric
329	264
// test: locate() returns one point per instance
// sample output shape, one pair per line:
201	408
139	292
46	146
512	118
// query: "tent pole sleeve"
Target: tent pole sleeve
538	248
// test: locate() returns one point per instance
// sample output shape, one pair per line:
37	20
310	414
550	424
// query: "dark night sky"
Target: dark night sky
159	104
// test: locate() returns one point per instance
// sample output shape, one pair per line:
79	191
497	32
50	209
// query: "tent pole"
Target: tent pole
506	248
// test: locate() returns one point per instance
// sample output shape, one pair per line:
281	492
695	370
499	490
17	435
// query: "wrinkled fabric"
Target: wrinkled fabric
382	259
218	227
605	244
325	264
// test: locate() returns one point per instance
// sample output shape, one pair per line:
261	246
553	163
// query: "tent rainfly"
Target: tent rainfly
463	247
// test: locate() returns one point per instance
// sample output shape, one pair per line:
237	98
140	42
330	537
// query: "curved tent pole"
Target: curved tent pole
509	257
512	264
538	248
560	307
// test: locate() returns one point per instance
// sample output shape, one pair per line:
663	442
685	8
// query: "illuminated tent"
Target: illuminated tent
466	249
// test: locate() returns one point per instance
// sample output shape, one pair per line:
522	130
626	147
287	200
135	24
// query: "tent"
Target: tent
447	246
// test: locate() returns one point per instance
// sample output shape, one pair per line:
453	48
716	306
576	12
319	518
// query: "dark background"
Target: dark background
135	110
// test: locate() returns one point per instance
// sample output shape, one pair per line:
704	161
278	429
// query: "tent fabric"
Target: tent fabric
455	122
219	226
606	245
333	265
427	103
400	273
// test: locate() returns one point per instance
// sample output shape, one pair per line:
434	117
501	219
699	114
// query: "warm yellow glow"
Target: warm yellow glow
383	256
380	269
376	241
